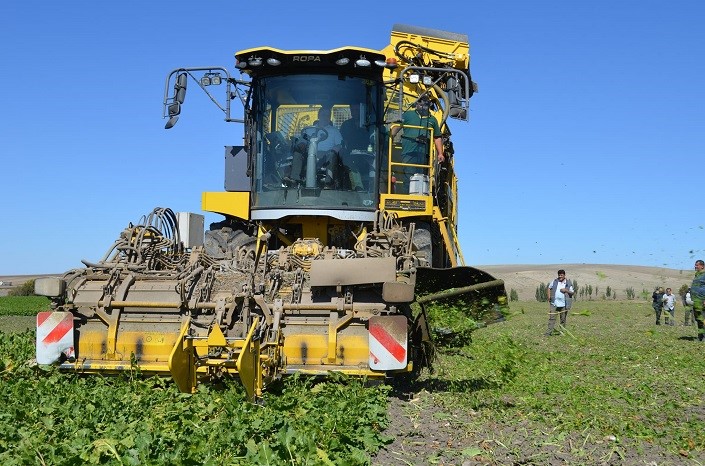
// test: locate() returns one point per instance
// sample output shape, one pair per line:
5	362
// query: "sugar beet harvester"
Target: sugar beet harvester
327	239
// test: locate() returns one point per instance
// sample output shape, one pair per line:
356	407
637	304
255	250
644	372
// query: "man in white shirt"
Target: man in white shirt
560	294
333	139
669	305
328	143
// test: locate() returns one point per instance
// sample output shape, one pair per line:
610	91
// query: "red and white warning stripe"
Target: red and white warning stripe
388	342
54	336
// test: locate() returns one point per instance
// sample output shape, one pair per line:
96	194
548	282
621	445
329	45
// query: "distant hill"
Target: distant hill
526	278
8	282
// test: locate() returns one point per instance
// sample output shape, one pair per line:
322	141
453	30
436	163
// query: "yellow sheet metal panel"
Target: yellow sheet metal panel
216	337
406	205
315	227
114	367
248	365
313	349
236	204
146	346
182	362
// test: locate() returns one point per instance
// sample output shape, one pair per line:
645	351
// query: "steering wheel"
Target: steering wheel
314	131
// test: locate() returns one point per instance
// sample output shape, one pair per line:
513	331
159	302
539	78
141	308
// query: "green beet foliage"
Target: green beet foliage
50	417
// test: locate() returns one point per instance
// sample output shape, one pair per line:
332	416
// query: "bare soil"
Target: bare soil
425	433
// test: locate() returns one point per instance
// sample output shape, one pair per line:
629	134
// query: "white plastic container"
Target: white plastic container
419	184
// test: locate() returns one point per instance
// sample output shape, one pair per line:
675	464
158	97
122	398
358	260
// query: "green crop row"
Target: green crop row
55	418
22	305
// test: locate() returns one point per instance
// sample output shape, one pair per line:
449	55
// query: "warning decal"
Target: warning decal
388	342
54	336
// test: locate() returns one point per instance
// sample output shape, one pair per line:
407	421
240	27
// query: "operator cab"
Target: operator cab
314	125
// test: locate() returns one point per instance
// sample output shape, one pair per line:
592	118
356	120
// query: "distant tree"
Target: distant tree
541	293
25	289
513	295
630	293
589	291
609	291
575	288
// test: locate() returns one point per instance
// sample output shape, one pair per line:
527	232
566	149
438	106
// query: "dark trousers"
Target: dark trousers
554	311
657	309
699	313
688	315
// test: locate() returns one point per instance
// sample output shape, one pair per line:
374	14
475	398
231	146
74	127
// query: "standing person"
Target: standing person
688	306
418	124
669	306
697	291
560	294
657	297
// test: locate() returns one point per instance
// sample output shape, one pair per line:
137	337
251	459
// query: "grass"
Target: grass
612	377
23	305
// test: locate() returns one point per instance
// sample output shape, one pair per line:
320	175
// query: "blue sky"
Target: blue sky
585	143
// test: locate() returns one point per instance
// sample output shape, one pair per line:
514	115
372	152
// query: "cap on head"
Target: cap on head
424	100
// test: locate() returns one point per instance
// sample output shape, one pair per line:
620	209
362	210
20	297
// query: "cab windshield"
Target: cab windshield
316	145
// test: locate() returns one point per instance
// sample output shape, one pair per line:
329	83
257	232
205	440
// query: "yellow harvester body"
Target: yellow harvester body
331	230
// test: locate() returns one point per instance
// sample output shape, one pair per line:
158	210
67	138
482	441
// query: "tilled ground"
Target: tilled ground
425	433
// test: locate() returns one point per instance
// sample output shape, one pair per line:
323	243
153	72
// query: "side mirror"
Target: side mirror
174	109
180	88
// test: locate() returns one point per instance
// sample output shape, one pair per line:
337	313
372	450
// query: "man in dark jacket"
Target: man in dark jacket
657	296
697	292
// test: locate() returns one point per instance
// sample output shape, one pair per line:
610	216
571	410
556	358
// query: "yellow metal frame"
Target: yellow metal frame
182	362
248	364
236	204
